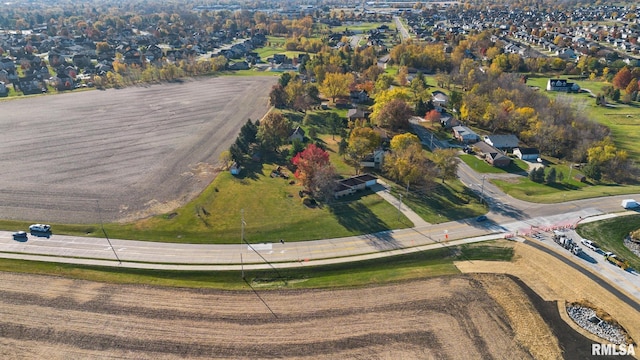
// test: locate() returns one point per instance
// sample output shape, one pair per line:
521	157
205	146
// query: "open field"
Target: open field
58	318
622	119
131	152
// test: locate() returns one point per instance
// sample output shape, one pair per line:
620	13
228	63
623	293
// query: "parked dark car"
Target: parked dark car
19	235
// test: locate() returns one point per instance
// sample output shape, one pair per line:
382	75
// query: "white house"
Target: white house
527	154
374	160
439	99
464	134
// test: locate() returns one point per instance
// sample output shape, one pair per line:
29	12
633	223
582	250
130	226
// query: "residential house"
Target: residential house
448	121
298	134
527	154
498	159
353	184
562	85
439	99
374	160
64	82
31	84
491	155
502	142
240	65
355	114
359	96
464	134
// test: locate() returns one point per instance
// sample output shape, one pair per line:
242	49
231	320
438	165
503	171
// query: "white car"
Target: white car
40	227
589	244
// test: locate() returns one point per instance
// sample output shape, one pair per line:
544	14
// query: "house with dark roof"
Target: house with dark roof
297	134
355	114
562	85
498	159
353	184
491	155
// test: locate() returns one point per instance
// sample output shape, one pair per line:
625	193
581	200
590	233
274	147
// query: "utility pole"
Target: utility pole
242	224
105	232
482	190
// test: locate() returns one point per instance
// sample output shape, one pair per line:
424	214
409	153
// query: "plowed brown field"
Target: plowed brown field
133	152
448	317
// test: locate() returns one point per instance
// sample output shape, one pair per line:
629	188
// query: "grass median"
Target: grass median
609	235
423	264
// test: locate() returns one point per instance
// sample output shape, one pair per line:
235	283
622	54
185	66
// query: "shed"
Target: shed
235	169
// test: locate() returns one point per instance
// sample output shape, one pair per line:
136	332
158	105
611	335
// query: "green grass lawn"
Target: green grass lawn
621	119
444	202
424	264
608	234
271	207
517	166
525	189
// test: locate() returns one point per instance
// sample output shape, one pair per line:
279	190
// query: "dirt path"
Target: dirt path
135	151
441	318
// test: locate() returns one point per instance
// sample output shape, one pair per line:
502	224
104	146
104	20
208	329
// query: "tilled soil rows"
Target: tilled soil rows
83	157
441	318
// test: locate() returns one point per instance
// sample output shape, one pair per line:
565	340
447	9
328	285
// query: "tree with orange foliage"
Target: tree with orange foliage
622	78
432	116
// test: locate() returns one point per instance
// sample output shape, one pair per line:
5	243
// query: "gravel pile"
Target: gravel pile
587	319
633	246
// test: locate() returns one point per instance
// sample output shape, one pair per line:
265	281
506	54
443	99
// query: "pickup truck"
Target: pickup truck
589	244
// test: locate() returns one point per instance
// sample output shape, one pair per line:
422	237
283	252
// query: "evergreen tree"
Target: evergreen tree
551	176
421	108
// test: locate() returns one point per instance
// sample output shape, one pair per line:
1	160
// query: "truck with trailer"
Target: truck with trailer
566	242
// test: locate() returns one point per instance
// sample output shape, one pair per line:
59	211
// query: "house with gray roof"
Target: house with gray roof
502	142
464	134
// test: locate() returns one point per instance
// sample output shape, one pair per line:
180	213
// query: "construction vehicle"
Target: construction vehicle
615	260
566	242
